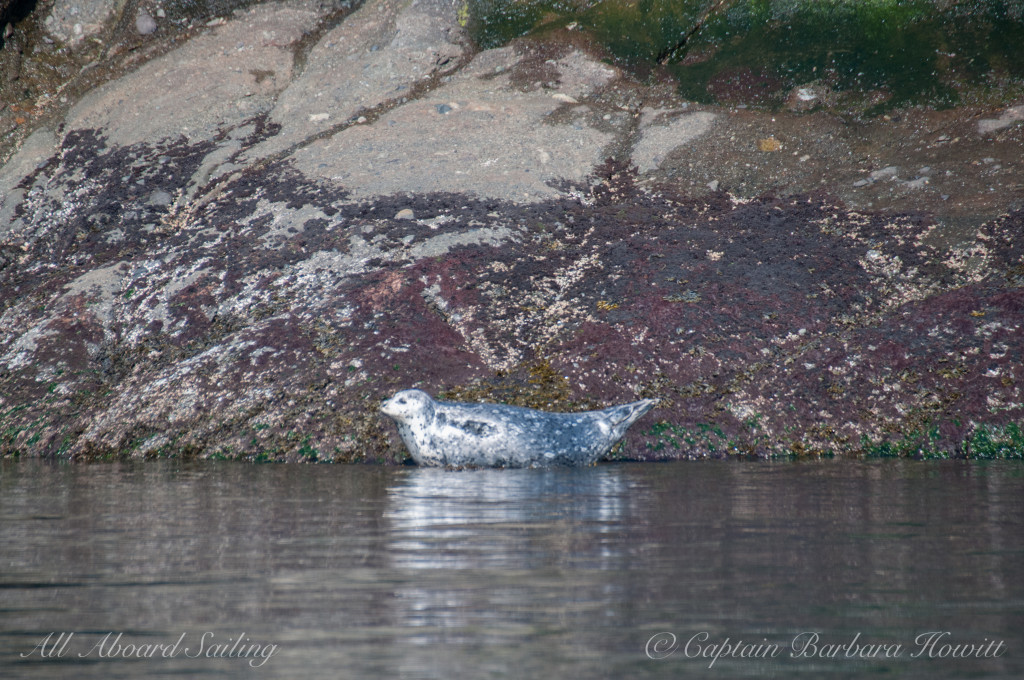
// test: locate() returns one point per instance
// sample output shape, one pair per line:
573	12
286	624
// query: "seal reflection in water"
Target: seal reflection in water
494	435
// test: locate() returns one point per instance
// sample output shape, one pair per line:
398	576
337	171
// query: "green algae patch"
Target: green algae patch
996	443
702	440
868	55
986	442
632	31
888	53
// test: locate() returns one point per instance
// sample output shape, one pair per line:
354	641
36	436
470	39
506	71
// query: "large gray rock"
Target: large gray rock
376	55
72	21
210	85
240	246
34	153
446	141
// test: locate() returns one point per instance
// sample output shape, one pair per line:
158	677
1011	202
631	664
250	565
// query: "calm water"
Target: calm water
369	572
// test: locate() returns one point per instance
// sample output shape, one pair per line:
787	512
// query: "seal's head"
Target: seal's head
408	405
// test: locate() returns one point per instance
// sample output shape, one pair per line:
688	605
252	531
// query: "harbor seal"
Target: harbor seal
494	435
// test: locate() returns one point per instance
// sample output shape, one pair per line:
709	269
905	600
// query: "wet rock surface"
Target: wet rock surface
242	245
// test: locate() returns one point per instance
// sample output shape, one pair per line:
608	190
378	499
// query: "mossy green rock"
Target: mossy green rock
879	53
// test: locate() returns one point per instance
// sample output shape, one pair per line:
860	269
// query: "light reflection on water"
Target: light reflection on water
531	518
380	572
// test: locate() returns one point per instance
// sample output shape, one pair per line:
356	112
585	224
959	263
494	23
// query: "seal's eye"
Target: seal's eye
402	400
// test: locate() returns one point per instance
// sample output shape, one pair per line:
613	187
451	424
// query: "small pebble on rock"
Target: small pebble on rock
886	172
160	197
144	23
405	214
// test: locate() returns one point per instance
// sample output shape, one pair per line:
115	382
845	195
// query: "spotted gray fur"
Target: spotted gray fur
493	435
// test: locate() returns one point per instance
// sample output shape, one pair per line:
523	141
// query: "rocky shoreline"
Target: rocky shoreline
251	230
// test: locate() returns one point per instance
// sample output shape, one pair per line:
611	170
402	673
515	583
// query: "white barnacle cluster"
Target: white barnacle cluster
971	262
